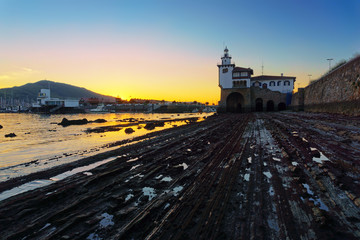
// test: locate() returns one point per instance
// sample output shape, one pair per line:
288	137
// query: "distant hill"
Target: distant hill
58	90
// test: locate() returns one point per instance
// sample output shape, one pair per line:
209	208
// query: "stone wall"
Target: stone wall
337	92
246	101
297	101
266	95
342	84
249	96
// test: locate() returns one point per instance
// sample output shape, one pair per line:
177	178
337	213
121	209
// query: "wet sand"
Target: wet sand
245	176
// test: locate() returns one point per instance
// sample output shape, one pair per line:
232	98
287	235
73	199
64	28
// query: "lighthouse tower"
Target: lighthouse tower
225	70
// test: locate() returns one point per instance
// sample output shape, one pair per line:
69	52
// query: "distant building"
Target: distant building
45	103
44	99
240	92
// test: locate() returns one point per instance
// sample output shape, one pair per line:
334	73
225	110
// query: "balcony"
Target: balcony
220	63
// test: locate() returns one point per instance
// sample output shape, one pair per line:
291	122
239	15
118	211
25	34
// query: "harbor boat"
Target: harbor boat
101	108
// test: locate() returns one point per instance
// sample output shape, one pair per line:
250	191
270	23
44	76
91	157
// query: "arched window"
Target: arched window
287	83
272	83
279	83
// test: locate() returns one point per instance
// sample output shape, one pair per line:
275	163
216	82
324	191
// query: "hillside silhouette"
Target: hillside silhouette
58	90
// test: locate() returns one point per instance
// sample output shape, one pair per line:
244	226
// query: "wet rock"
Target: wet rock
129	130
100	120
350	195
315	153
10	135
150	126
103	129
128	120
357	202
65	122
153	125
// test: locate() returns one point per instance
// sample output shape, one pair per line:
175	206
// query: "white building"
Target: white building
283	84
44	99
231	76
240	92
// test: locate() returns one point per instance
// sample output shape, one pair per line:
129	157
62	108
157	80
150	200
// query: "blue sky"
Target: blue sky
291	37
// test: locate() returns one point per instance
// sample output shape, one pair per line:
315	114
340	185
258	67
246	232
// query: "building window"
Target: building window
239	84
236	74
279	83
244	74
287	83
225	70
272	83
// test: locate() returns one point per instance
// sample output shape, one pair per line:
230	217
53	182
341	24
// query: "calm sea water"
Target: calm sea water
41	143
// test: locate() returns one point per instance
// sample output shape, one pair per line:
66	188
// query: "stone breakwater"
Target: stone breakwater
336	92
245	176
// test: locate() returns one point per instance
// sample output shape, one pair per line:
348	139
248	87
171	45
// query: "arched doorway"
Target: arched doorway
270	106
234	102
281	106
259	105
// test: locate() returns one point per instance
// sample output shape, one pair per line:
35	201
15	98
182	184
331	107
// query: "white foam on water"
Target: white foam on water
319	203
42	183
308	189
271	191
81	169
158	177
247	177
267	174
106	221
136	166
166	179
93	236
176	190
148	191
184	165
128	197
46	225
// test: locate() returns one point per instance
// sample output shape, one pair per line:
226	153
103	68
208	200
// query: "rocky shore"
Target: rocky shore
245	176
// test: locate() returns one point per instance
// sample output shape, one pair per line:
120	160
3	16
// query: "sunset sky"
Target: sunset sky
169	49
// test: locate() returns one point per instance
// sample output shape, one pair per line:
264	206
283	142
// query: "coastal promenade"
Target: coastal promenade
233	176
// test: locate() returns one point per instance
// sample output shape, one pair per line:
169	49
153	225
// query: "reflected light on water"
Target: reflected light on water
41	143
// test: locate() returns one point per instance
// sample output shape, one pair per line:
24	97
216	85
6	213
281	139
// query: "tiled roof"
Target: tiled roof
267	77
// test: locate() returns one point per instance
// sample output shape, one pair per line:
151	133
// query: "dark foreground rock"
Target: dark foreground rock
10	135
246	176
65	122
129	130
100	120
